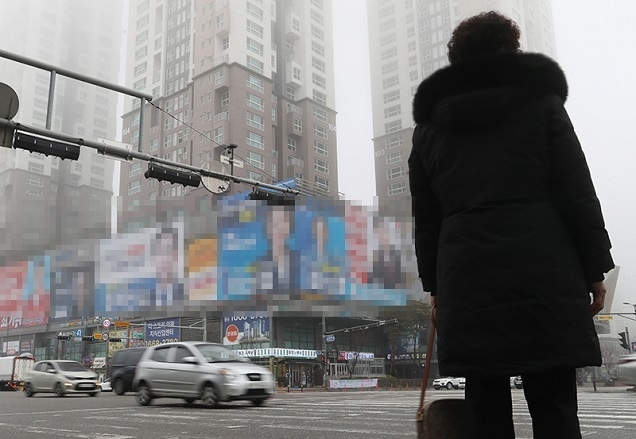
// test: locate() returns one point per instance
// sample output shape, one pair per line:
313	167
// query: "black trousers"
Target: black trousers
551	398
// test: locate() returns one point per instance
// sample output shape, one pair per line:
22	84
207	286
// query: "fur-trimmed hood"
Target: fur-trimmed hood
478	92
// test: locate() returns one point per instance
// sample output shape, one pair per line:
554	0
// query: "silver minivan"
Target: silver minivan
208	372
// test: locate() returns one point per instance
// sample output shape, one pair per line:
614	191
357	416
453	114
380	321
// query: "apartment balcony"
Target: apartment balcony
293	74
292	26
222	21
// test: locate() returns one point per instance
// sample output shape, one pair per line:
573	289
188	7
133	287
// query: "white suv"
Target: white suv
208	372
449	383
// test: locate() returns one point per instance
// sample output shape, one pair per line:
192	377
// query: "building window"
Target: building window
388	53
394	157
254	64
290	92
392	142
391	96
34	180
97	183
218	135
320	97
255	140
320	114
396	188
393	111
134	187
33	192
319	49
321	165
255	159
320	148
255	121
320	131
321	183
254	46
36	167
291	144
254	11
318	80
154	144
254	28
394	173
225	43
318	64
298	125
393	126
255	83
391	82
255	102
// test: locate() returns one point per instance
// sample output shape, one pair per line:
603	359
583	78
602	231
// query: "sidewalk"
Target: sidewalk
601	388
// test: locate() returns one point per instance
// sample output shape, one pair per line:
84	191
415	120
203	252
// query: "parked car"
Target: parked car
518	382
449	383
122	369
60	377
105	385
208	372
627	369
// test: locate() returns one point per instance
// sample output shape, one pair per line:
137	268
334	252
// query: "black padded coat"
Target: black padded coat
508	227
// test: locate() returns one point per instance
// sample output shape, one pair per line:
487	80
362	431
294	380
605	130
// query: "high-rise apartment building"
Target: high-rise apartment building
407	40
254	73
46	201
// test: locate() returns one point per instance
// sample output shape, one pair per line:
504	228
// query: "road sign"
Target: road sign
237	163
105	336
97	336
139	335
122	324
106	323
87	360
330	338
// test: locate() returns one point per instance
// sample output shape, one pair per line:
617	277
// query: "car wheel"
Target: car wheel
449	385
28	390
93	393
209	397
189	401
59	391
258	402
118	387
143	395
436	387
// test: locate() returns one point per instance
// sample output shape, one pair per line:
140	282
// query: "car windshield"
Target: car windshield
71	367
216	353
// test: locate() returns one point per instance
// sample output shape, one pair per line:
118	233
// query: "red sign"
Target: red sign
231	333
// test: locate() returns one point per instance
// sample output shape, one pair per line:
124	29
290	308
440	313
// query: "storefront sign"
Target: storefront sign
250	331
277	352
162	331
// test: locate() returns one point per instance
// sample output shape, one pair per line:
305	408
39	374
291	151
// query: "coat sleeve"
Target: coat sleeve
426	219
574	195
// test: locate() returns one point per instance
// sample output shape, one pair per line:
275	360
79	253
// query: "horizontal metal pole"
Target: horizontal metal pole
119	152
74	75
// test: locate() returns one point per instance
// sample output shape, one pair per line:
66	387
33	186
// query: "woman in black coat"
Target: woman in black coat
509	234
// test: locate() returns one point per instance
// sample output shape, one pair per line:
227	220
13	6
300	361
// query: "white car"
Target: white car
449	383
627	369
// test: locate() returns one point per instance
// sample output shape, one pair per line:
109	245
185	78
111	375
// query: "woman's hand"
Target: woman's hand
598	291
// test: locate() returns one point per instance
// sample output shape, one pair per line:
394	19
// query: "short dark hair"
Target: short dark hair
484	34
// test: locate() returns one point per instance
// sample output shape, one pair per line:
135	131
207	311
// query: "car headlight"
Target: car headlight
228	374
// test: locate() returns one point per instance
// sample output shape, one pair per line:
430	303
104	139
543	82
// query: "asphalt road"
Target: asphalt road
607	414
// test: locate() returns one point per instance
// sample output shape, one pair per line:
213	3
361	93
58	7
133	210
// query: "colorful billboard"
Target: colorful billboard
246	331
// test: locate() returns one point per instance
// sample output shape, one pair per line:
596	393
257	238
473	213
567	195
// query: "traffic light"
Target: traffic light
64	337
623	338
45	146
172	175
272	199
